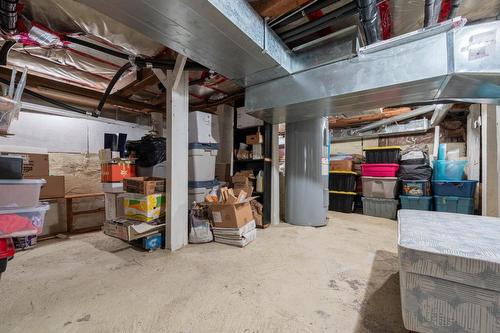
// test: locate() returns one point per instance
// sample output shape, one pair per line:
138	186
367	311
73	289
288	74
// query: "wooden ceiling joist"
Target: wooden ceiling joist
145	79
367	118
44	84
276	8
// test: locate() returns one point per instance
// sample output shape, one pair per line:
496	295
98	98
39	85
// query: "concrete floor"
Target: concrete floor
339	278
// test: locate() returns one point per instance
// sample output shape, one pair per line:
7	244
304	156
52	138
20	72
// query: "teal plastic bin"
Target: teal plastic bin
449	170
458	205
418	203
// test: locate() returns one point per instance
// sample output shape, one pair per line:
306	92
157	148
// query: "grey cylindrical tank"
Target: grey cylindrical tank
306	172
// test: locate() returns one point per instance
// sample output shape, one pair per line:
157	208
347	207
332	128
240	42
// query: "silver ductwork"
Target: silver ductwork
459	65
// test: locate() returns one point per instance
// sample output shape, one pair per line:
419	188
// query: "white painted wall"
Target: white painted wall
60	134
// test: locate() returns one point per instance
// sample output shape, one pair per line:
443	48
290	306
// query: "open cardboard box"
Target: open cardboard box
232	215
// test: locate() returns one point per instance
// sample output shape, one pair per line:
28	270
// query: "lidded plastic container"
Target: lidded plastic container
23	221
20	193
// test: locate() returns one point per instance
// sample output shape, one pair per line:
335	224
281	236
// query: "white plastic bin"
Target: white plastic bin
23	221
20	193
203	127
198	190
201	162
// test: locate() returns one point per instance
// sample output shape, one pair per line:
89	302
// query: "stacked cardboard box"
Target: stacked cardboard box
243	181
143	206
232	217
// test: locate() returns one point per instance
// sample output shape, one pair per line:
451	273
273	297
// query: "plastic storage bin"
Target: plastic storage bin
201	162
384	155
449	170
343	181
198	190
418	203
458	205
379	170
22	221
416	188
341	201
386	208
463	188
11	167
20	193
203	127
380	187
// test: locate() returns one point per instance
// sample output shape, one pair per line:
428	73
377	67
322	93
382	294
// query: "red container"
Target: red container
379	170
116	172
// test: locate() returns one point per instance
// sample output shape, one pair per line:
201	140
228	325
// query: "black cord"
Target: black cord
4	51
111	84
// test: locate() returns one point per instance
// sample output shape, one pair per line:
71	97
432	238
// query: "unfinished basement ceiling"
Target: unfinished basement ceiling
50	53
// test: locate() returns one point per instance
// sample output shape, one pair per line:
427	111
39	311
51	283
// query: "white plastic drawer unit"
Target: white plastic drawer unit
203	127
201	162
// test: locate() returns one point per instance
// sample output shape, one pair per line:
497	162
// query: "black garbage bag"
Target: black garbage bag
149	151
415	172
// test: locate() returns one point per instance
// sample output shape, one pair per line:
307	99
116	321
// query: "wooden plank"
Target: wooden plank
357	120
489	162
276	8
148	79
88	212
84	195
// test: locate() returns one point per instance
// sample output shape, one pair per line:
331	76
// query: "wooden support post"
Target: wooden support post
177	108
489	160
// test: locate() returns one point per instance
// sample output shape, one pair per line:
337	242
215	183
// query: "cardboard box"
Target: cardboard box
223	172
145	208
257	151
130	230
144	185
34	165
53	188
254	139
241	180
232	215
248	190
341	165
116	172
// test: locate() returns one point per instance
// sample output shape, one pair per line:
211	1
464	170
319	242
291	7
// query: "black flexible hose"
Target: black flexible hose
48	99
4	51
111	84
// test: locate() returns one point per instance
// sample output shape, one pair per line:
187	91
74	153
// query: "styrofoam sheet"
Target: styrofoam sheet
449	272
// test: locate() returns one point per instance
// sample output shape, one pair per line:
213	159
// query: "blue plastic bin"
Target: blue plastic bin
458	205
418	203
449	170
450	188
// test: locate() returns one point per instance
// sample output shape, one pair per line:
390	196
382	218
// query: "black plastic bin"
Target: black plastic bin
342	201
342	181
11	167
382	155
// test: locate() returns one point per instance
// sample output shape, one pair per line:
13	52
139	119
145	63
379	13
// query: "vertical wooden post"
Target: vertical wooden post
489	160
